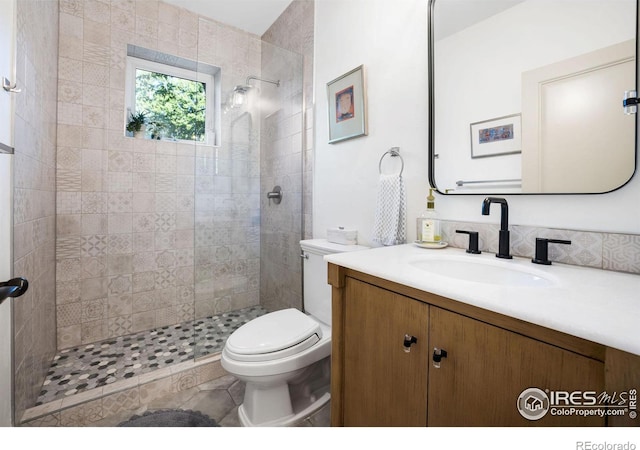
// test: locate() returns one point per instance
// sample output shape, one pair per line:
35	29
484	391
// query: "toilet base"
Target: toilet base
286	421
287	399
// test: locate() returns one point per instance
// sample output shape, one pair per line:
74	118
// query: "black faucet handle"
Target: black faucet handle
473	241
542	250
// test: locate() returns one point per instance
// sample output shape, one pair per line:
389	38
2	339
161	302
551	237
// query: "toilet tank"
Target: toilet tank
317	292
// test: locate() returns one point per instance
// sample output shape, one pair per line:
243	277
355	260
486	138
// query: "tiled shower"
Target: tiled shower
150	234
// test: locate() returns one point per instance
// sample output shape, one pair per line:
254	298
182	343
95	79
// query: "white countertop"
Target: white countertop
598	305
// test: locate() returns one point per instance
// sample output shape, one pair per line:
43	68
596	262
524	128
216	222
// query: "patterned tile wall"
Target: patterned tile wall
227	185
150	233
281	164
294	31
608	251
34	195
286	160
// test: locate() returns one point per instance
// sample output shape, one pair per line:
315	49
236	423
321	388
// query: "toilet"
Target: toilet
284	356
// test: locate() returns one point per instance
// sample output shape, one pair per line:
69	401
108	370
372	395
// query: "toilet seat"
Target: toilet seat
273	336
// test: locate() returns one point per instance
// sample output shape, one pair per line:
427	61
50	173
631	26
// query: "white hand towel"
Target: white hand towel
390	221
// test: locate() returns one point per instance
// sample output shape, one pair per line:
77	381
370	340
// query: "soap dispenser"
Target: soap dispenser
428	224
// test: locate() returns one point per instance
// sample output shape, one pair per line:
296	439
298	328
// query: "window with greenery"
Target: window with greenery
174	107
176	103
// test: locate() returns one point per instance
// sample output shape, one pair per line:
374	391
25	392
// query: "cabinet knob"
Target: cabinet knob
408	341
438	354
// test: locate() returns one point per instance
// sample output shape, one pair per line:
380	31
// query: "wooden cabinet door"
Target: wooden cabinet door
622	374
487	368
383	384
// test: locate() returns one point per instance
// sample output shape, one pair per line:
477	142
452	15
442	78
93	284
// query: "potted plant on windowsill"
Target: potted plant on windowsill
155	130
137	122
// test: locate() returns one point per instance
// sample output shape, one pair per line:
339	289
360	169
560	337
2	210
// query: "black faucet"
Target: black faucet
503	237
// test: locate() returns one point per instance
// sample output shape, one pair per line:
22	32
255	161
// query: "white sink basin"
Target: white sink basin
480	269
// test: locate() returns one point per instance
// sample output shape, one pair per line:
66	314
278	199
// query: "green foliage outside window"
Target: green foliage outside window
175	107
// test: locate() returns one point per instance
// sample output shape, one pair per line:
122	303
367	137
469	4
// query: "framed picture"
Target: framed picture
496	137
347	106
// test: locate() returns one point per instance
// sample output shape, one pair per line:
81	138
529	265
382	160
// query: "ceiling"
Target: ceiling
254	16
456	15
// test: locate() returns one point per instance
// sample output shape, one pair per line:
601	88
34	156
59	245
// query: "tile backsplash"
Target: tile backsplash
608	251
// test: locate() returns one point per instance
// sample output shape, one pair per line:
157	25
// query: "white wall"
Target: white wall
389	38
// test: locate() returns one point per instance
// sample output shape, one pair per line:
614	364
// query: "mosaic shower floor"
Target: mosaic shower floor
82	368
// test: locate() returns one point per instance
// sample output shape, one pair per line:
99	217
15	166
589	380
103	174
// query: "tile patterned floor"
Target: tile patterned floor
82	368
218	399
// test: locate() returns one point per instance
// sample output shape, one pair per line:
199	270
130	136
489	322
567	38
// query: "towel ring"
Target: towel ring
393	151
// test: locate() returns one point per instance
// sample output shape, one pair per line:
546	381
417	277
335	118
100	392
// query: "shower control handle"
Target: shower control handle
275	195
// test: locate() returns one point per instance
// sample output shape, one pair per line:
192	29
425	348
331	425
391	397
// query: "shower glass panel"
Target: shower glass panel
171	91
125	242
281	164
259	146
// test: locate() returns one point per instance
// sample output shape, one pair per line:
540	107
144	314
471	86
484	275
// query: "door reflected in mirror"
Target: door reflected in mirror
526	96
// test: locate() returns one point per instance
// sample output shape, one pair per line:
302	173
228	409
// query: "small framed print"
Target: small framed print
347	106
496	137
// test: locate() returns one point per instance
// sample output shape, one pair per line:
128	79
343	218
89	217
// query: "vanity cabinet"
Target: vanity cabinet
490	360
487	368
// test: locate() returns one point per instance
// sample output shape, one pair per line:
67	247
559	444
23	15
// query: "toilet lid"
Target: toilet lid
274	335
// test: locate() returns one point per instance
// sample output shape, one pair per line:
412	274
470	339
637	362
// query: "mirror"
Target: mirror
526	96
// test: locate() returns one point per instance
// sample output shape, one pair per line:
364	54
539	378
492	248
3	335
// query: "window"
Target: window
179	102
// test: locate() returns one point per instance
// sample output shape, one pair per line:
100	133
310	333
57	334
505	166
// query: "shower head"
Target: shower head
239	94
242	88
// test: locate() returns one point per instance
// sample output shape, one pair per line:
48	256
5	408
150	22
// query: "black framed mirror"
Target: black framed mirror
526	96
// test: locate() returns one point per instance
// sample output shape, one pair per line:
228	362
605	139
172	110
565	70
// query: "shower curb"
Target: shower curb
131	394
